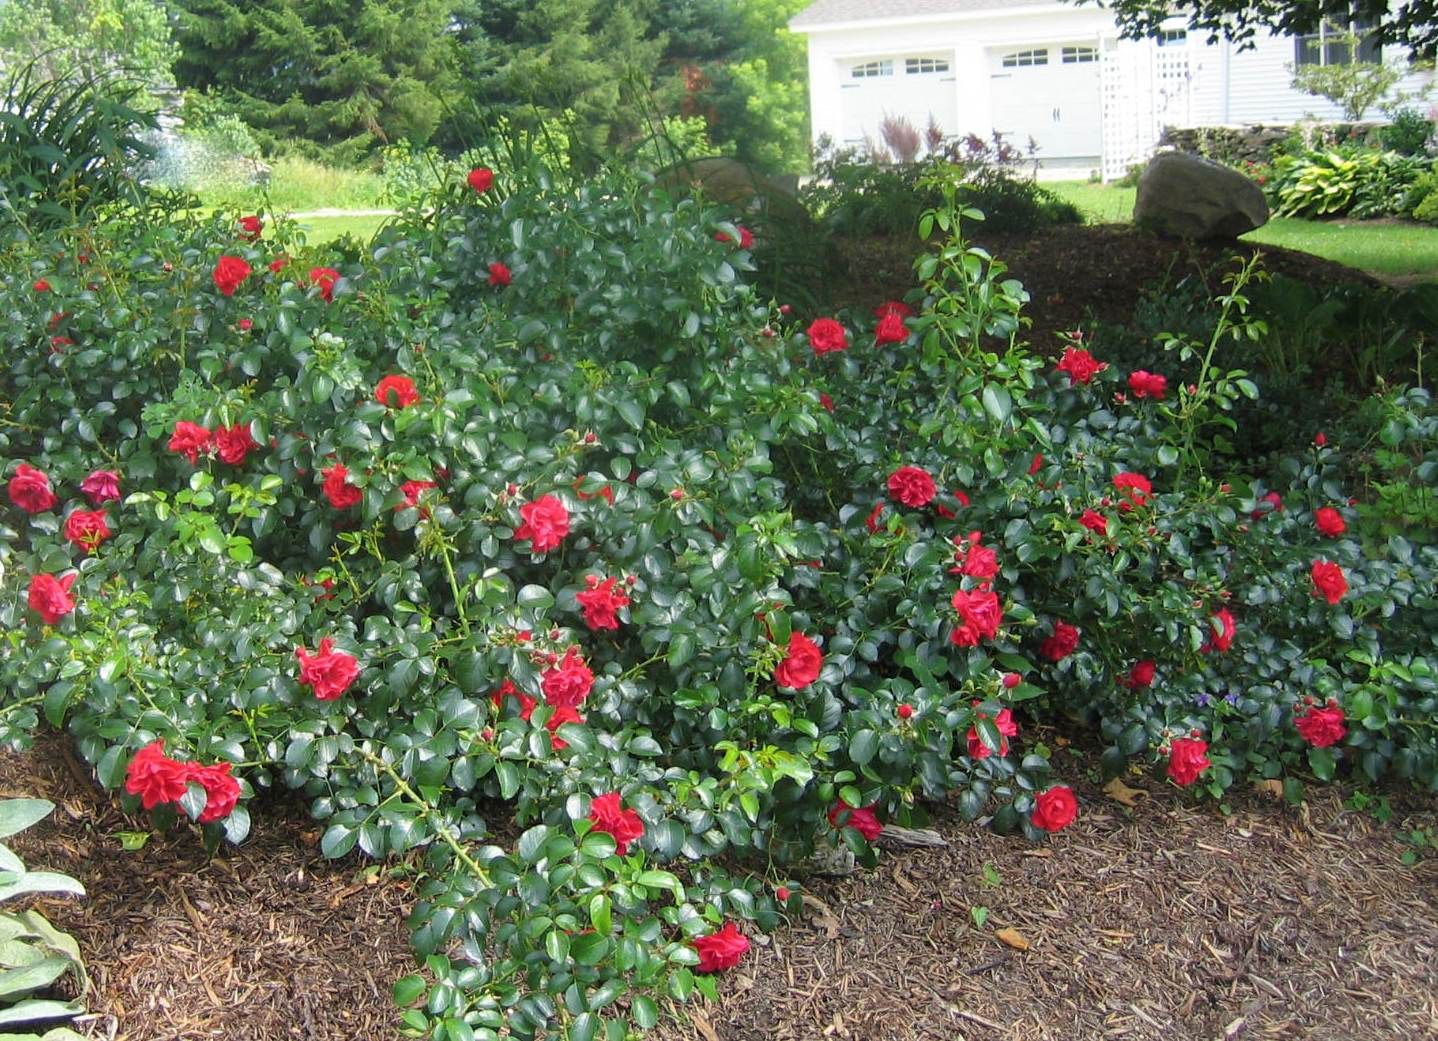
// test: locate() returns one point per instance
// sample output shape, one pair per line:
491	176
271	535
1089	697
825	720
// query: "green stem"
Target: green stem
437	823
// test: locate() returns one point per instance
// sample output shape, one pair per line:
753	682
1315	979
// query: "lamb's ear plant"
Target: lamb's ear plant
35	957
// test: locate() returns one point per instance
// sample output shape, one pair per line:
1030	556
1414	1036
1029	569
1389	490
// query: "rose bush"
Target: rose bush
655	570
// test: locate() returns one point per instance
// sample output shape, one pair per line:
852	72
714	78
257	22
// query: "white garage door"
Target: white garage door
918	87
1049	92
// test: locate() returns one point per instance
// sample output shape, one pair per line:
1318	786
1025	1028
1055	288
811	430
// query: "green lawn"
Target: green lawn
326	229
1399	249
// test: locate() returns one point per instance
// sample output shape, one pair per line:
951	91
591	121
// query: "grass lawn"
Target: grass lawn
326	229
1399	249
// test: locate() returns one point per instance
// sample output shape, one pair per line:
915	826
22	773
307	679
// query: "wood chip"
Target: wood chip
1012	938
1120	792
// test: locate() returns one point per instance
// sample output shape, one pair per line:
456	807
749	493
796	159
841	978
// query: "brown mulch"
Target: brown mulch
267	941
1075	272
1164	921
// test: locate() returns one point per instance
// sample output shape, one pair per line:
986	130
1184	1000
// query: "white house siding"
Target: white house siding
970	41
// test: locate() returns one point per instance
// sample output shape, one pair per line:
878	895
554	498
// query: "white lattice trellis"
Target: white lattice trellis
1143	88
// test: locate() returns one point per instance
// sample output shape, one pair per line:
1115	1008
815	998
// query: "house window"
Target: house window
1332	44
1172	38
1023	59
1078	55
919	66
872	69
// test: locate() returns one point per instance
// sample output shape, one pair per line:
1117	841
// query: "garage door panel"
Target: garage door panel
1050	94
919	88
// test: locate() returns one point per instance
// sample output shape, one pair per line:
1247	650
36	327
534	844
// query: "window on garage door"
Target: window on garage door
924	66
872	70
1026	59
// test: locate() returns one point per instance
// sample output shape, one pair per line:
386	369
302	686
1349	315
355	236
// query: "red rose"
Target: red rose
244	325
480	179
1321	726
222	791
341	494
782	894
1094	521
568	683
905	711
1004	724
600	601
1147	385
50	596
979	616
561	715
1061	644
87	529
396	392
190	439
861	820
1329	522
827	335
278	264
977	560
229	273
499	274
30	489
1055	809
101	486
545	523
897	307
328	671
412	490
872	521
40	286
1080	365
746	237
325	278
507	689
801	665
1012	680
155	777
251	228
1320	439
605	492
1222	630
1275	504
721	950
826	401
609	816
1328	581
891	329
1187	760
1140	676
911	486
234	443
1036	465
1136	489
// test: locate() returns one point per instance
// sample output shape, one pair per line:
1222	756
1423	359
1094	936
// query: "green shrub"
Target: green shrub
1409	133
1340	181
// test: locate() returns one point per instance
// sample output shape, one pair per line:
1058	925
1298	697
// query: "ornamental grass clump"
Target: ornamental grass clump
680	585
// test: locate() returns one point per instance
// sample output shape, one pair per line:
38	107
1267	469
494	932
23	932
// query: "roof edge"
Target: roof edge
929	19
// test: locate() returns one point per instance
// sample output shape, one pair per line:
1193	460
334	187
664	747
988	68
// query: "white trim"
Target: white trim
929	19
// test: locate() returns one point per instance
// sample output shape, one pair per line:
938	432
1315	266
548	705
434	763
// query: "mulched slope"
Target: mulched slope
1073	272
268	941
1162	922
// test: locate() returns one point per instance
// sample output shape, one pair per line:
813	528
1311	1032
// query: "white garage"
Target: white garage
917	87
1048	94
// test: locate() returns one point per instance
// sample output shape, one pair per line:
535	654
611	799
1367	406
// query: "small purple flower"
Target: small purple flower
1232	699
1204	700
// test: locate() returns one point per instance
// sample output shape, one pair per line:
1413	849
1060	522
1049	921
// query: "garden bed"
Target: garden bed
1164	920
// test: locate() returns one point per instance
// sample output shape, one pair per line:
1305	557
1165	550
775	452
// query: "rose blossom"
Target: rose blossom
412	490
1187	760
545	522
155	777
251	228
1328	581
568	683
30	489
101	486
1094	521
561	715
500	275
1222	630
190	439
49	597
891	329
600	601
827	336
229	273
1061	644
801	665
1136	489
340	493
480	179
1147	385
746	237
40	286
1004	724
1055	809
1140	676
609	816
325	278
905	711
87	529
861	820
507	689
721	950
222	791
979	616
977	560
234	443
1321	727
328	671
1329	522
897	307
1080	365
911	486
396	392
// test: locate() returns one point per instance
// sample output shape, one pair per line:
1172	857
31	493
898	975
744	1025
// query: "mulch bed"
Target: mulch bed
1164	921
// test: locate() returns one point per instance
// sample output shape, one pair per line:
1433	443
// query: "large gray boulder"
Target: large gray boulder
1188	197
